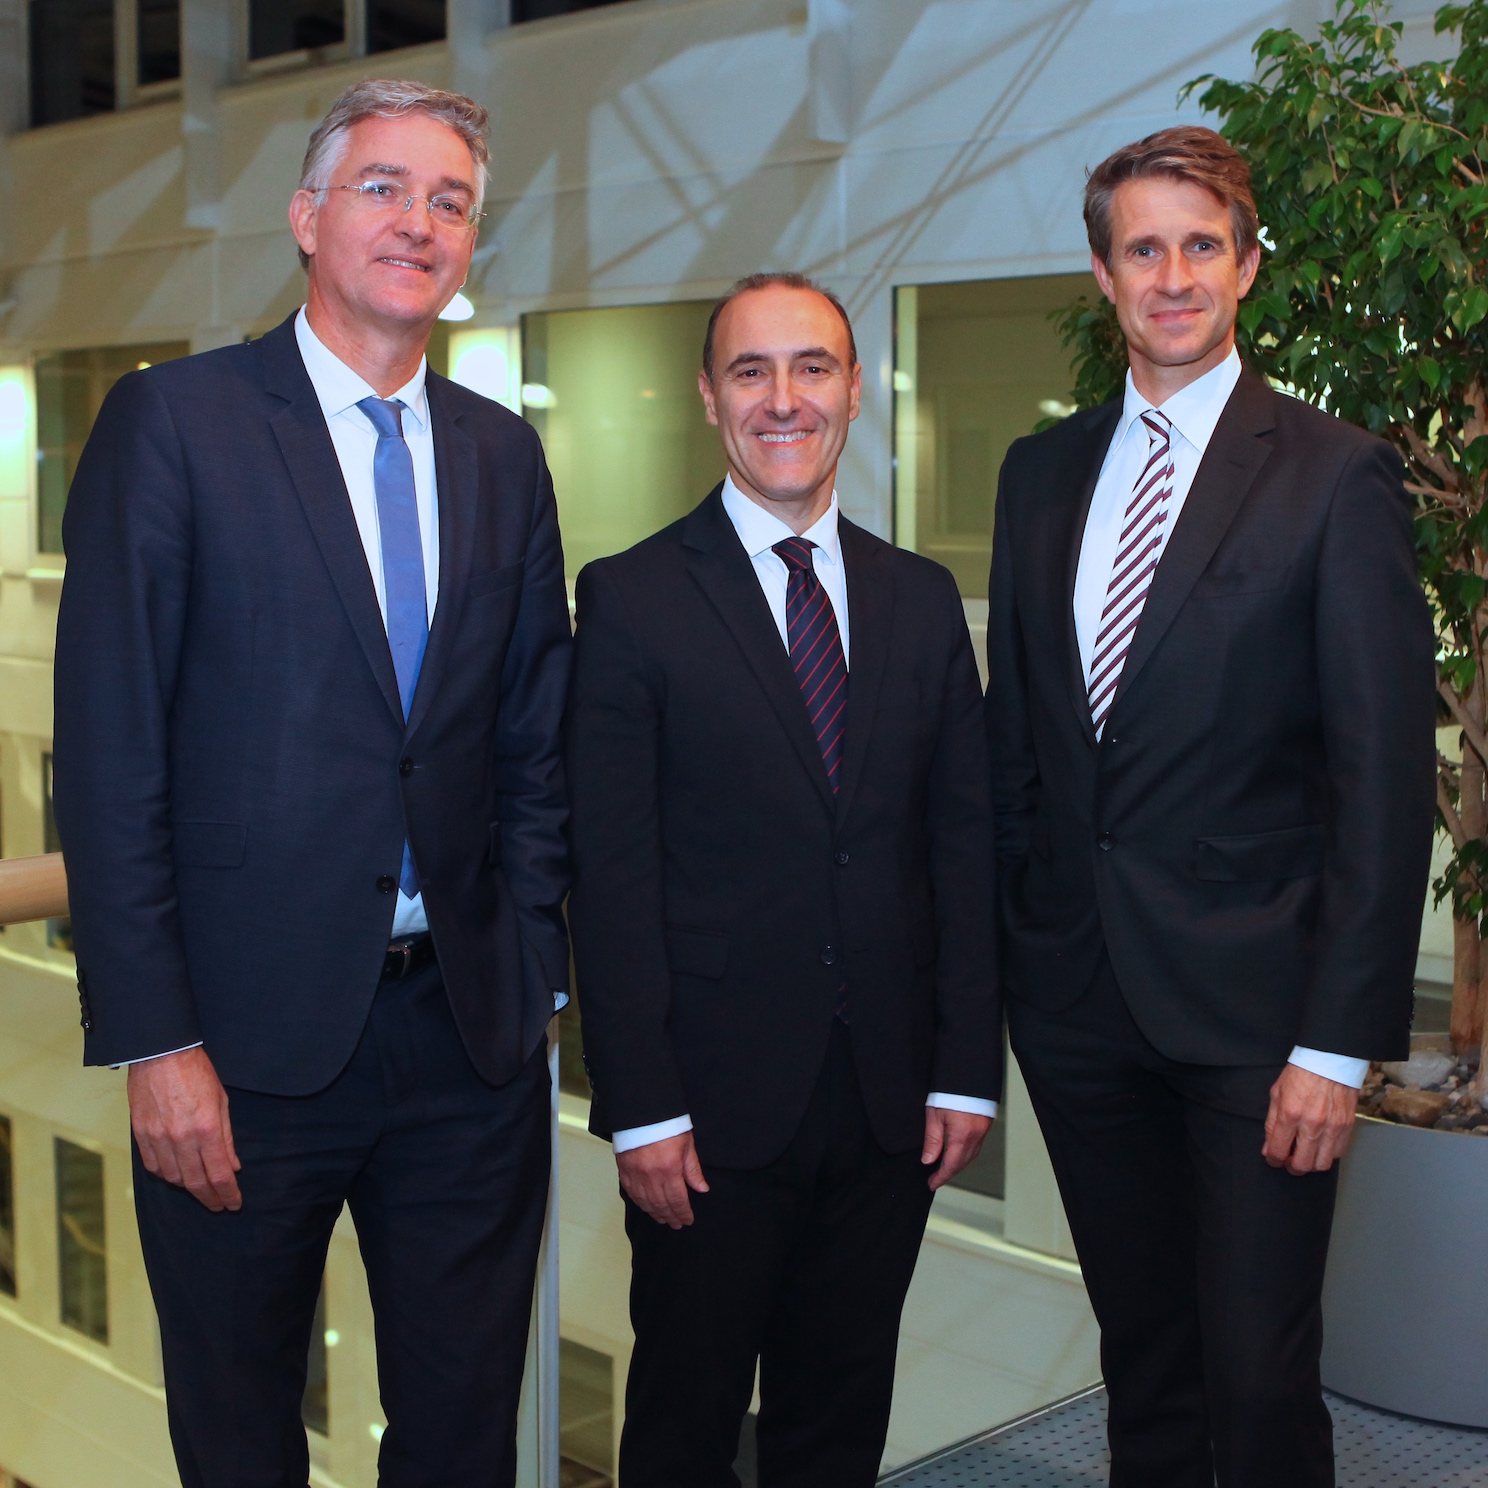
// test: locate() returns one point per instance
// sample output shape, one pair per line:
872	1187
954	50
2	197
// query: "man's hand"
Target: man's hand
955	1137
1310	1123
178	1110
656	1177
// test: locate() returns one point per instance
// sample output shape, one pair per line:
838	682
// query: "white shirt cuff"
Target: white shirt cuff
1340	1068
973	1105
644	1136
162	1055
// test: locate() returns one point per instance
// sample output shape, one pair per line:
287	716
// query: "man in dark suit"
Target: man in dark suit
782	874
311	667
1210	717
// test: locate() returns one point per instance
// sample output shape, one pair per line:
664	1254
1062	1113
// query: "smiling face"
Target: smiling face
381	268
1175	278
783	391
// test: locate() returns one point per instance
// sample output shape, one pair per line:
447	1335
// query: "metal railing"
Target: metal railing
32	889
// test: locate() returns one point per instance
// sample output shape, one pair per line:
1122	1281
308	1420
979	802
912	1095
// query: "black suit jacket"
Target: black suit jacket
722	895
234	776
1251	838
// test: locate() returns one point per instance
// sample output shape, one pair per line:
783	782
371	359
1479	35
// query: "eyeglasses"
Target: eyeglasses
391	196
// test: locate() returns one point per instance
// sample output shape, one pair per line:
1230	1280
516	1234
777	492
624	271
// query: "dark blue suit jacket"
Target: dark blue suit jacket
234	777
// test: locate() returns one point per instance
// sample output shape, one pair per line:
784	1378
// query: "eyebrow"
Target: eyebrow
449	183
809	353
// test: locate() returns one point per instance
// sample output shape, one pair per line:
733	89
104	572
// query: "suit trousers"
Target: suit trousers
446	1178
1203	1263
802	1266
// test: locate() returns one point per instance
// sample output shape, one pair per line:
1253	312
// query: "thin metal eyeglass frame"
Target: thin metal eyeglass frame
362	191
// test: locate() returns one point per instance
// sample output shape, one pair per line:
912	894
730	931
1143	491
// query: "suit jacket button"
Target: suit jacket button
87	1025
1105	842
405	766
829	955
386	884
840	858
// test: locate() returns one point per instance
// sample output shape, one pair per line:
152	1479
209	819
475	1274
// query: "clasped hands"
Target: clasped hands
660	1177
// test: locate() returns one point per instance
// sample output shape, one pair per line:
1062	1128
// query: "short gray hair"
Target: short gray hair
392	98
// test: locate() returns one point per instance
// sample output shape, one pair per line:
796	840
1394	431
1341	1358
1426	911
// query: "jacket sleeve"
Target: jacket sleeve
1376	685
531	799
127	532
958	821
616	910
1014	764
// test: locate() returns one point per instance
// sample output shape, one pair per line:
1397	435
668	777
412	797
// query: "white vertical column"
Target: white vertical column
469	25
210	51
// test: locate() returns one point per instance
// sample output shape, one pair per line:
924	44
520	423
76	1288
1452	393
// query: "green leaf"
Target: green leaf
1316	173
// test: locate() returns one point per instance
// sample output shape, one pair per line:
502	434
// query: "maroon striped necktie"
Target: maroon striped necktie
815	651
1137	552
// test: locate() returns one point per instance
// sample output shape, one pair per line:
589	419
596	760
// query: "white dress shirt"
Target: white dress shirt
1193	411
759	531
339	390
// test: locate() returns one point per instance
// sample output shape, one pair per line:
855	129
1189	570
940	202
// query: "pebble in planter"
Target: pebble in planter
1435	1088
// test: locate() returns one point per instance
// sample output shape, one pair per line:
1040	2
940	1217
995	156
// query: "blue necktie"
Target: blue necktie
402	565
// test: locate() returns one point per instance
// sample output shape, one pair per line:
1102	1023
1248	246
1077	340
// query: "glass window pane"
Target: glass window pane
586	1416
403	23
279	26
315	1410
976	366
59	932
72	58
159	40
70	389
82	1252
614	395
7	1210
537	10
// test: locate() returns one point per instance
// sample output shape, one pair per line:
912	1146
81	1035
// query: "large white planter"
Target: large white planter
1405	1304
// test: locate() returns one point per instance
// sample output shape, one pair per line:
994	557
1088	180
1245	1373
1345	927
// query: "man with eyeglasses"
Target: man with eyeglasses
312	658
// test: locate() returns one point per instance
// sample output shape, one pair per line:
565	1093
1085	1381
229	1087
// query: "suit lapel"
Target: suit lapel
1235	455
870	600
457	478
723	571
1066	537
305	443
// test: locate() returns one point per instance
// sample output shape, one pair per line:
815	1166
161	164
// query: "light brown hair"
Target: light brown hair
1186	152
770	281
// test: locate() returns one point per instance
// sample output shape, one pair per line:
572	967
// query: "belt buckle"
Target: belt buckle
405	949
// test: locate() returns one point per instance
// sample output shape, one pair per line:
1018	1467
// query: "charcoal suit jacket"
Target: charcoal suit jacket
234	775
722	896
1250	838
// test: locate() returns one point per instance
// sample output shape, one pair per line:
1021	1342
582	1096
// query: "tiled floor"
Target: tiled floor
1065	1447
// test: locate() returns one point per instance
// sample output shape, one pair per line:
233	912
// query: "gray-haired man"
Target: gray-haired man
311	667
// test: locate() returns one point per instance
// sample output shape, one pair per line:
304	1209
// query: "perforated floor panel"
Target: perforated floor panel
1065	1447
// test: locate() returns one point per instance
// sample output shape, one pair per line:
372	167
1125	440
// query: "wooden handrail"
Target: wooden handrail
32	889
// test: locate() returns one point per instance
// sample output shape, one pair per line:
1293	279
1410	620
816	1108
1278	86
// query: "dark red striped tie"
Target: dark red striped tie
816	651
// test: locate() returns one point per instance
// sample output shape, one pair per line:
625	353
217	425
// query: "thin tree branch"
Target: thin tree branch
1470	725
1449	814
1429	457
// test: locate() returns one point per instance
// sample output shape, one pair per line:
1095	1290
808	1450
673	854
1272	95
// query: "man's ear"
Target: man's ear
705	387
1102	272
302	220
1250	266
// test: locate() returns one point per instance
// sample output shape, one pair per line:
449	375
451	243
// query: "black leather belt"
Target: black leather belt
404	957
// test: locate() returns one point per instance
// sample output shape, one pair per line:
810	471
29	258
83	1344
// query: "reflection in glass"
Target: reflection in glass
976	366
82	1251
7	1210
279	26
315	1409
403	23
72	59
159	40
586	1416
70	389
613	393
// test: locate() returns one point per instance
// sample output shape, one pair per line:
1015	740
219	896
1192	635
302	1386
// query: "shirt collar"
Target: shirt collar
339	388
1194	410
760	530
